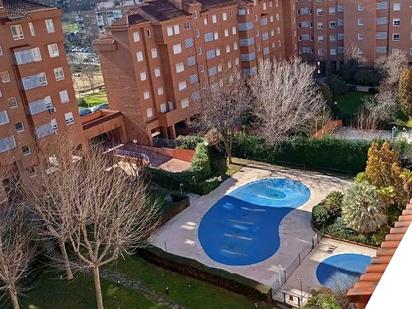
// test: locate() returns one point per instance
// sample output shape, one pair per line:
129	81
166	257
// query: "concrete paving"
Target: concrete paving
180	235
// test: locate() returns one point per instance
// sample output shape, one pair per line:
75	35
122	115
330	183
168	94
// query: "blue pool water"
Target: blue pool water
342	270
242	228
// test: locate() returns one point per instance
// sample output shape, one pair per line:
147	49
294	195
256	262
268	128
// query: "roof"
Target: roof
207	4
18	9
161	10
363	289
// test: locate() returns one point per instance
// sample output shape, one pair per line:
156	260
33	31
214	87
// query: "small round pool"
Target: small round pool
242	228
341	271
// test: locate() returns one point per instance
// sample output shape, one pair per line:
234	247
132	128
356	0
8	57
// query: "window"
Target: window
19	126
69	118
28	56
193	79
214	19
191	61
58	73
5	77
146	94
224	16
17	32
7	144
216	35
149	112
396	36
234	30
53	50
209	37
40	106
154	53
143	76
139	56
396	22
226	33
319	12
360	22
332	24
360	51
4	118
180	67
136	36
176	29
235	46
12	102
169	31
205	21
148	33
187	25
381	35
182	85
32	31
360	7
396	6
332	10
360	36
26	150
64	96
160	91
50	25
34	81
188	42
1	51
185	103
157	72
382	5
332	51
177	49
163	108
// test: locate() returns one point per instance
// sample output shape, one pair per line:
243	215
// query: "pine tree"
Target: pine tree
405	92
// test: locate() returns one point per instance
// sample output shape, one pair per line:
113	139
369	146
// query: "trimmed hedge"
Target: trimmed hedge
189	141
337	155
195	269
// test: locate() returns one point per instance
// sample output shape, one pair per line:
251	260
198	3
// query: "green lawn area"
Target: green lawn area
94	99
70	27
51	293
349	103
186	291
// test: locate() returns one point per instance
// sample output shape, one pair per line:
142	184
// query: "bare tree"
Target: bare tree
223	105
392	68
89	72
287	99
16	252
103	212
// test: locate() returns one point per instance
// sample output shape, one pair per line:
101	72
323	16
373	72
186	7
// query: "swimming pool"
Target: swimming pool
242	228
341	271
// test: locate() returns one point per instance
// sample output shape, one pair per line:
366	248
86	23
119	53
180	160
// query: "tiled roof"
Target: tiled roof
161	9
206	4
363	289
17	9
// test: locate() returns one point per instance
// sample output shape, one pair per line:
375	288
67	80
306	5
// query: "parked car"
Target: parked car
85	111
99	107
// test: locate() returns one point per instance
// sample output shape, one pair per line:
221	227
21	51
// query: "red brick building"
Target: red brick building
155	59
37	100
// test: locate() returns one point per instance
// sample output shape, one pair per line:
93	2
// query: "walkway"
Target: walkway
139	286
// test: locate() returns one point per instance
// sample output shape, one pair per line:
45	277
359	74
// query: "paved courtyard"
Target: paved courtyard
180	235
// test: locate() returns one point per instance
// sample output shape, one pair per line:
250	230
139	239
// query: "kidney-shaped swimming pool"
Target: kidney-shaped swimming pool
242	228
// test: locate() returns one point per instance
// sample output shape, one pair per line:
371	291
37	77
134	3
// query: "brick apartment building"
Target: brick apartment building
37	99
155	59
371	29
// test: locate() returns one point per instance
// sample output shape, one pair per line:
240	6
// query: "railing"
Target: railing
285	273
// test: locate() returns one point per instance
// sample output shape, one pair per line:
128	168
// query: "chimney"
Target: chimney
177	3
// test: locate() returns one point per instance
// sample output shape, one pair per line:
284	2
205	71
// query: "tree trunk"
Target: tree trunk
98	288
67	267
228	150
14	300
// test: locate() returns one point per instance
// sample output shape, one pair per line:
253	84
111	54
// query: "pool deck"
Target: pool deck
180	234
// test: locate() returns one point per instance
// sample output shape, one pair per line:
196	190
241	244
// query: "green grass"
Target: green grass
94	99
70	27
402	119
186	291
52	293
349	103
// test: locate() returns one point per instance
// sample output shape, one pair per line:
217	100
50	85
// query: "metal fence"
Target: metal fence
285	273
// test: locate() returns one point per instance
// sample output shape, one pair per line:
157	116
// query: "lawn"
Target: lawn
70	27
94	99
349	103
186	291
51	293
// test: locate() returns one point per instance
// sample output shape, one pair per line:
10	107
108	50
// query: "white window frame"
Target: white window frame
53	50
64	96
17	32
58	73
50	25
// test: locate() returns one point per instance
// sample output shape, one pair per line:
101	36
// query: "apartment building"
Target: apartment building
156	57
329	30
94	22
37	100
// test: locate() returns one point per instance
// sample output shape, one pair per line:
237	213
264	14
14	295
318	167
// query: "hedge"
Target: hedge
329	154
195	269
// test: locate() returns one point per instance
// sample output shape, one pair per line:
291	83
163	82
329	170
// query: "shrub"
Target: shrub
189	141
201	163
363	210
323	299
333	203
320	216
337	85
